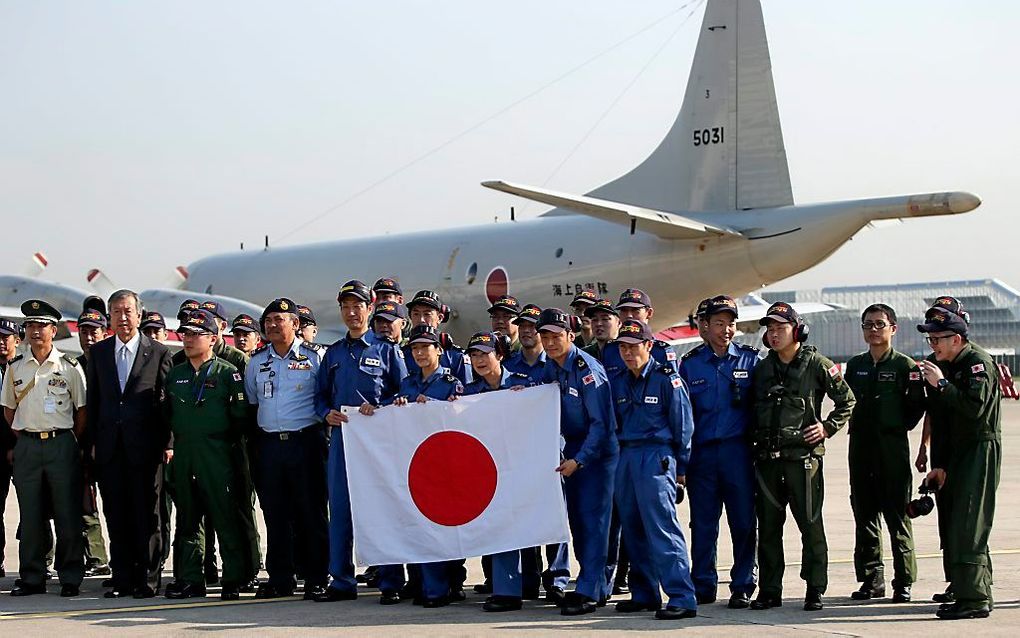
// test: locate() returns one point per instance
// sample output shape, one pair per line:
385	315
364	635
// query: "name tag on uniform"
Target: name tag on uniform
652	400
572	391
267	390
862	373
696	382
740	374
372	362
49	405
886	376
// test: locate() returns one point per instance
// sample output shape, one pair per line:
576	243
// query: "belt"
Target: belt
285	436
646	443
43	436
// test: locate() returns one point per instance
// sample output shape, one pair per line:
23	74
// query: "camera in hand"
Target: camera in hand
923	505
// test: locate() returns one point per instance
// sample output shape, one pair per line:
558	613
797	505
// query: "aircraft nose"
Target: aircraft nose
961	202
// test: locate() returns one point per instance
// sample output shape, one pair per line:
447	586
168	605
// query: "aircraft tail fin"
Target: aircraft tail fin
725	150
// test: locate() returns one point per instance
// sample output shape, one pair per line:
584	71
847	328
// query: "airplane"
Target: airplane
711	210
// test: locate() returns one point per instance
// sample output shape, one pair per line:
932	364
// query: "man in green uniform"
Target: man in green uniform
207	412
605	326
789	387
890	401
963	402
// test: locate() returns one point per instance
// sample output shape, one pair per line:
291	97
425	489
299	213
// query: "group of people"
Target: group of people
207	430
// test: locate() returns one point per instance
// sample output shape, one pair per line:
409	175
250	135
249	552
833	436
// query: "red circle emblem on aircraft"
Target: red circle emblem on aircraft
452	478
497	284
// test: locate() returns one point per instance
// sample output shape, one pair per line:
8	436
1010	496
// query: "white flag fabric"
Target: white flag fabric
455	479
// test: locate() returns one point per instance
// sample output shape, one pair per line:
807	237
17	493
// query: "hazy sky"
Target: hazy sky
136	136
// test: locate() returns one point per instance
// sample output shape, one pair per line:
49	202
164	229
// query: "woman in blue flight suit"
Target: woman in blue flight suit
487	351
430	382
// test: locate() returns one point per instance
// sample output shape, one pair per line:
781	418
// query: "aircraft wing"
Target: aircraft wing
663	224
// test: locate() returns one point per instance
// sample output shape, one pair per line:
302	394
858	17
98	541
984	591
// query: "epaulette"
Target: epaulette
17	358
666	370
693	351
318	348
661	343
519	375
449	378
749	348
260	349
581	363
68	358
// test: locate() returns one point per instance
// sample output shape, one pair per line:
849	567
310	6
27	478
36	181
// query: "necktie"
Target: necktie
122	367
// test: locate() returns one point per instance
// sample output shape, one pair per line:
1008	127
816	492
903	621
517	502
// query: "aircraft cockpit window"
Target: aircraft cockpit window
559	253
472	272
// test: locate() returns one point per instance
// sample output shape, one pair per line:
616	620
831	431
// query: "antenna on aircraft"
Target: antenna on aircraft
267	243
512	216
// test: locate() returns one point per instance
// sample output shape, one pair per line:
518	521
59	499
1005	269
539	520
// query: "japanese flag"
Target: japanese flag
455	479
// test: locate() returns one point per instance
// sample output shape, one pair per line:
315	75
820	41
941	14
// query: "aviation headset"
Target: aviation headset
502	345
800	333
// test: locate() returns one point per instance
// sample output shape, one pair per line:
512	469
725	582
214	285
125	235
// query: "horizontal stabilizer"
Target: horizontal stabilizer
663	224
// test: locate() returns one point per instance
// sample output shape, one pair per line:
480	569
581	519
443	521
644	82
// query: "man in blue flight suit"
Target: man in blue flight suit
719	376
426	308
291	460
590	453
360	368
655	426
636	304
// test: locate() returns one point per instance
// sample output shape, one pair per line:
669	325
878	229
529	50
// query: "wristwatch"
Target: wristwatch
941	385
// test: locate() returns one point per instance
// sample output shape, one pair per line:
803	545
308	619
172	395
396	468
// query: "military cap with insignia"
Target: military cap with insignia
306	316
152	320
187	306
529	313
200	321
92	319
634	298
214	308
720	303
584	299
38	311
283	305
426	298
423	334
634	331
387	284
506	302
554	320
94	302
702	307
483	342
389	311
602	305
244	323
952	304
8	327
780	311
941	320
357	289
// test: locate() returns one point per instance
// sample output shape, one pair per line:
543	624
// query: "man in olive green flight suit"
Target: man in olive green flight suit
788	438
890	401
963	402
207	412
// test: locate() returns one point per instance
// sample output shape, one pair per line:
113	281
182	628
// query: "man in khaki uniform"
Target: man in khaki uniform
44	401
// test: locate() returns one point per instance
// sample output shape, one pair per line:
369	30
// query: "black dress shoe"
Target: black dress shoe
531	594
117	593
21	589
433	603
945	597
739	600
675	613
68	590
457	596
180	591
230	592
484	588
632	606
901	594
766	601
959	611
578	605
389	598
870	589
812	600
620	589
332	595
144	592
705	599
98	570
555	595
502	603
250	587
267	590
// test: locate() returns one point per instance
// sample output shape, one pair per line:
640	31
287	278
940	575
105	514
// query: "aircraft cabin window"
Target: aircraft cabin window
559	253
472	272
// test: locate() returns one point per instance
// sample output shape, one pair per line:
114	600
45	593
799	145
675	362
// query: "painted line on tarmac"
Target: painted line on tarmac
849	561
143	608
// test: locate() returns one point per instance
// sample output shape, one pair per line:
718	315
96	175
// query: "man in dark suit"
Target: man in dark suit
130	441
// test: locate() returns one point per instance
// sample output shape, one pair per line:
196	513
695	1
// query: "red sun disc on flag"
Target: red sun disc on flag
452	478
497	284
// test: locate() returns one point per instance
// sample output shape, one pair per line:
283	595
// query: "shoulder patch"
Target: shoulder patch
581	363
834	371
670	355
72	360
977	368
588	379
666	370
449	378
237	376
676	381
915	376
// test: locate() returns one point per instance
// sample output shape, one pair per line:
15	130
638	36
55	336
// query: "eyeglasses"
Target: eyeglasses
934	340
875	325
